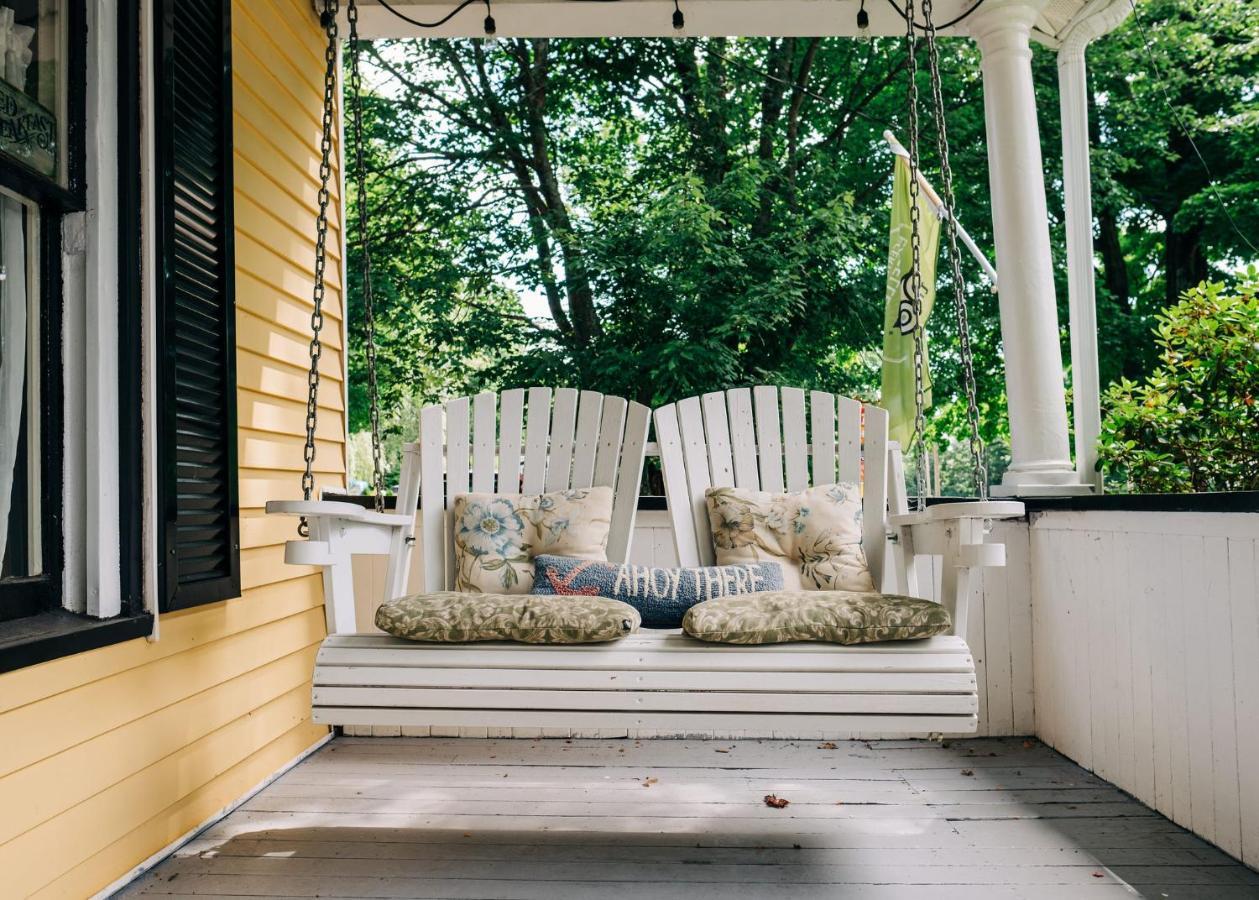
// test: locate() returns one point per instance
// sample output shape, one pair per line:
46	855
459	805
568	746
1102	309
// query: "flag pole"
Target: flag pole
937	206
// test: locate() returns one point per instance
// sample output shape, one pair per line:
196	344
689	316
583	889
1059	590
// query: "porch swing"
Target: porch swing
764	438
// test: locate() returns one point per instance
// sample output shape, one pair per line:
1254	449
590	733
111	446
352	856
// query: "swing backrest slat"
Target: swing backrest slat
764	439
540	441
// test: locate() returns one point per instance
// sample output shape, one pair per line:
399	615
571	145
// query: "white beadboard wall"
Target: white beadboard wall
1147	660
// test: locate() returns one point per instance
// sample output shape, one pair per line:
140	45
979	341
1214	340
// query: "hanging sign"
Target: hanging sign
28	131
899	321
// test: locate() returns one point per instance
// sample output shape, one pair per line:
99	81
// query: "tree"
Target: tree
1193	423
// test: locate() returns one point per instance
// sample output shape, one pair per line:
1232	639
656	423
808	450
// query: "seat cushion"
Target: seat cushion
815	535
662	596
452	617
839	617
497	535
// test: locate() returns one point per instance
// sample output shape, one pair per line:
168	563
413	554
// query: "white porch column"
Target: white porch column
1077	189
1040	453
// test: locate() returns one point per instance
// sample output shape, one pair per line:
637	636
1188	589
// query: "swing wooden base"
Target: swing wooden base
659	680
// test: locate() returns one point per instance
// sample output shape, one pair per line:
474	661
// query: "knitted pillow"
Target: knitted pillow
662	596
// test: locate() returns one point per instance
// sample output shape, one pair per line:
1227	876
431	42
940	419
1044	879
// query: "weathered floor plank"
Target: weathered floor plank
555	819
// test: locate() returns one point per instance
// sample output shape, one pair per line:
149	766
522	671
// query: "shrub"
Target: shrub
1193	424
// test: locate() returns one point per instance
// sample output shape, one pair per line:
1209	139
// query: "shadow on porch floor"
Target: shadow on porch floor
554	819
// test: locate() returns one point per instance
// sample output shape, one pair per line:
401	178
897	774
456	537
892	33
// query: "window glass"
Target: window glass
32	84
20	516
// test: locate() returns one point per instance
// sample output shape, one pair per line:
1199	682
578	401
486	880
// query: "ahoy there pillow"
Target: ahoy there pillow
662	596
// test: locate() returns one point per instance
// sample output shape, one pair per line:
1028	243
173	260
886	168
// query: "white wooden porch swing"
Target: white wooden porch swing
763	438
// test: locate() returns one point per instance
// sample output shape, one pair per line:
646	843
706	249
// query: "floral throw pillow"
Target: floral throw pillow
814	534
498	535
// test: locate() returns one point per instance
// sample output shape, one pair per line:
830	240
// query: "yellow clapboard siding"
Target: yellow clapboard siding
283	453
111	754
262	566
257	487
259	336
264	413
264	172
177	820
35	794
257	60
281	310
264	262
79	715
253	219
73	837
284	382
287	207
278	220
181	632
288	139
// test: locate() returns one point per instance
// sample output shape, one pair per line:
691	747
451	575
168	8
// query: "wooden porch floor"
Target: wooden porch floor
555	819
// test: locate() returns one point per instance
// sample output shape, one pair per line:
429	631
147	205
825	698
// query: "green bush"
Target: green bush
1193	424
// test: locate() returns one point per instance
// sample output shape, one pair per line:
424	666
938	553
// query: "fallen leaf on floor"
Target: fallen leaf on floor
828	745
648	782
968	772
719	750
775	802
1028	745
1099	875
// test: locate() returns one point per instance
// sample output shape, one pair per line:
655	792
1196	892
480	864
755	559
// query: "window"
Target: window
33	89
38	185
198	514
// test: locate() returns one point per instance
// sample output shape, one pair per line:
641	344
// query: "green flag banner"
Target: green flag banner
898	315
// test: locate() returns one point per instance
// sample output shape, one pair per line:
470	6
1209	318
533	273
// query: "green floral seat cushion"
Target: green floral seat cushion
838	617
497	535
454	618
815	535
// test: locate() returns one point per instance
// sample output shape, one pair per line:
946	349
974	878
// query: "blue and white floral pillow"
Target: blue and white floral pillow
498	535
815	534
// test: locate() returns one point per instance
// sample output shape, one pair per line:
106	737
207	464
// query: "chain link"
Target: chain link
915	273
369	303
329	21
980	469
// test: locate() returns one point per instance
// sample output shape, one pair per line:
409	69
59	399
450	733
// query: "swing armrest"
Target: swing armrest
949	512
336	509
956	531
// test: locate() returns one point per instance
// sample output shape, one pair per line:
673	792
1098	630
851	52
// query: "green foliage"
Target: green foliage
657	218
1193	423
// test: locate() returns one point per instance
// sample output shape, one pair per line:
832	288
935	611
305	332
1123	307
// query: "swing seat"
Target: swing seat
655	680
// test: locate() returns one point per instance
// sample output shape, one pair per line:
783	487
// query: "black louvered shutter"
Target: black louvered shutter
198	515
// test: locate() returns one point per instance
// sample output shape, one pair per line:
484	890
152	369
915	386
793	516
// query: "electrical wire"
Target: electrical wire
923	27
1171	107
439	23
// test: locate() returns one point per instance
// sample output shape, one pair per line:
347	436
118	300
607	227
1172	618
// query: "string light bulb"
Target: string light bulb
863	23
491	27
679	20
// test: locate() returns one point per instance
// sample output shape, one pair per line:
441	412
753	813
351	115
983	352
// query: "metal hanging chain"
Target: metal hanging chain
915	274
980	469
369	304
328	18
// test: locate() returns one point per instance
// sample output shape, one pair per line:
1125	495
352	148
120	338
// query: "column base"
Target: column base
1041	490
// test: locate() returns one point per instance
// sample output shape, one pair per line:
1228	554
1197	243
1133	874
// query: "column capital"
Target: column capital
1003	24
